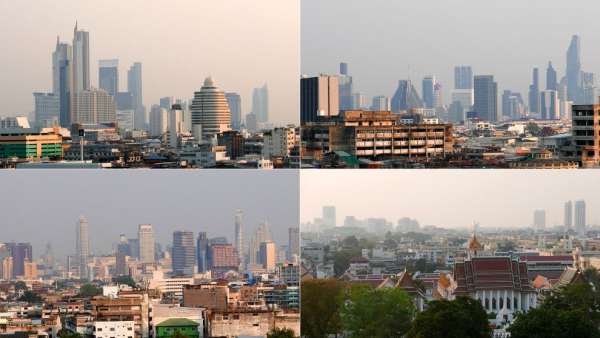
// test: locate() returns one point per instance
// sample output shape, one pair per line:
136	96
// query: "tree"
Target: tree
64	333
461	318
20	285
377	313
30	297
89	290
350	242
548	322
577	296
507	246
341	259
533	128
281	333
320	304
127	280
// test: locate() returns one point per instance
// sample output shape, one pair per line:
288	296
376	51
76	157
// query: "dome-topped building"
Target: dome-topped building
210	111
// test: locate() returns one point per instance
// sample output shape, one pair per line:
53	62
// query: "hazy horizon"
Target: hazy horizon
41	207
179	44
448	198
385	41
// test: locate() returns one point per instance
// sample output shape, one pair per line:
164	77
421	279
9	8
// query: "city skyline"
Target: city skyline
162	67
169	203
436	197
540	33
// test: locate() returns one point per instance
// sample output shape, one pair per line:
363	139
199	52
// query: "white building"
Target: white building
47	109
146	243
279	142
210	111
175	126
125	119
158	120
171	286
93	106
114	329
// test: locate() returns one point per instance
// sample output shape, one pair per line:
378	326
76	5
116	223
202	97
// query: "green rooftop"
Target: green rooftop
177	322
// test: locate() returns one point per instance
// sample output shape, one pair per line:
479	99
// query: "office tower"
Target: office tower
589	91
234	100
134	86
428	88
146	243
82	246
20	253
159	118
210	111
549	105
175	125
381	103
568	219
125	119
262	234
329	216
486	98
81	61
202	252
183	253
62	58
123	251
319	98
574	70
534	93
93	106
239	235
166	102
405	97
268	256
345	89
108	76
463	77
222	258
293	243
359	101
251	123
539	219
260	103
124	101
438	99
47	109
512	105
551	79
580	221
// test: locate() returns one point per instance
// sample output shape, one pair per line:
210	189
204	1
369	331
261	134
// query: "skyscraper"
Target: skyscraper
183	253
260	103
405	97
202	252
268	255
262	234
159	118
293	242
239	235
381	103
345	89
549	105
108	76
210	111
568	219
463	77
534	93
329	216
123	250
234	100
82	246
81	61
539	219
47	108
318	98
20	253
580	221
166	102
574	70
175	125
62	79
551	79
146	243
134	86
93	106
486	98
428	88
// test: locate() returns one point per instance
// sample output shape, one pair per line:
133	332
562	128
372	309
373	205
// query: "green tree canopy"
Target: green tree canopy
320	307
64	333
377	313
30	297
89	290
548	322
127	280
281	333
461	318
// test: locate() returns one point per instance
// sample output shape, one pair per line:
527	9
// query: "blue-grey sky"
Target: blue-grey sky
382	39
450	198
40	207
241	43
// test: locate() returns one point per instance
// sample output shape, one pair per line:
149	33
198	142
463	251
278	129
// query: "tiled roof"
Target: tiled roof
479	273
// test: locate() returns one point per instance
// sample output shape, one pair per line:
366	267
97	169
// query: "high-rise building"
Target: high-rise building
20	253
568	215
123	251
551	78
463	77
428	88
175	126
438	98
549	105
47	109
268	255
260	103
166	102
82	246
329	216
62	59
134	86
574	70
345	89
580	221
159	118
539	219
486	98
406	97
222	258
202	252
318	98
239	235
93	106
381	103
146	243
210	111
293	243
534	93
183	253
262	234
108	76
234	100
81	61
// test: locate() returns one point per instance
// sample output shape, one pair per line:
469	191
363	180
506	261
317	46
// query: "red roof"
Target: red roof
485	273
527	258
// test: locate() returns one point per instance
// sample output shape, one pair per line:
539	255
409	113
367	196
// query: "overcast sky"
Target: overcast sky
41	207
241	43
449	198
381	39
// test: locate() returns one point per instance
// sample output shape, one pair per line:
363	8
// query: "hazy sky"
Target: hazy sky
241	43
449	198
381	39
38	206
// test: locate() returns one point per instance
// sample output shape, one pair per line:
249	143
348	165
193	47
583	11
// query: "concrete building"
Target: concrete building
268	256
381	103
319	97
293	243
549	105
126	119
134	86
82	246
175	126
486	98
586	135
210	111
279	142
93	106
260	103
580	218
234	100
169	287
159	118
202	252
539	220
463	77
222	258
239	236
146	243
183	253
568	215
113	329
132	307
47	109
108	76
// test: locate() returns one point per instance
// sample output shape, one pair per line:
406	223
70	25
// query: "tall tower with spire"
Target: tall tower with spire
81	60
